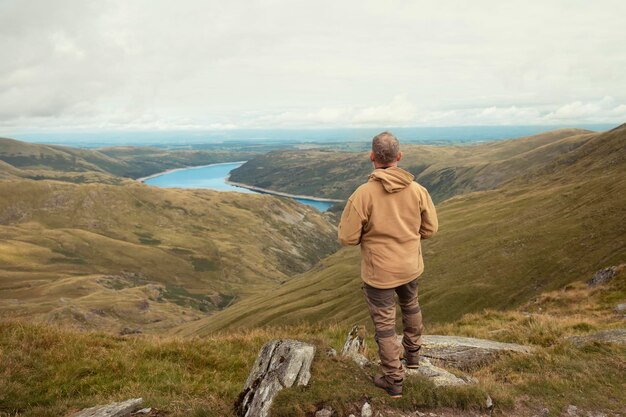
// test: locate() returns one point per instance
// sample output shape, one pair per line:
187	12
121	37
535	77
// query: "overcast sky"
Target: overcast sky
187	64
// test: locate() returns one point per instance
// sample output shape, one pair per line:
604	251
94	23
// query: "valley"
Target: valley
159	290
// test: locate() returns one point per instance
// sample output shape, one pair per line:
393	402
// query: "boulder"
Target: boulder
280	364
602	276
608	336
121	409
465	352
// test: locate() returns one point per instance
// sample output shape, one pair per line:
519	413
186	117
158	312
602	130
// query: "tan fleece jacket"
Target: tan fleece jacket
388	216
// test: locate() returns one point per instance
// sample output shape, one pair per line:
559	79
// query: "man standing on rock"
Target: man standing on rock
388	216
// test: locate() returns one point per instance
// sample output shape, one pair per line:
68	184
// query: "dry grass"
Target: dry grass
48	371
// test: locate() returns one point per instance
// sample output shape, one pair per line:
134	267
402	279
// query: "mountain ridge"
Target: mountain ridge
445	170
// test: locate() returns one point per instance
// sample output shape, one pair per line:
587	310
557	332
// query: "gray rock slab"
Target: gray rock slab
607	336
465	352
450	351
280	364
121	409
439	376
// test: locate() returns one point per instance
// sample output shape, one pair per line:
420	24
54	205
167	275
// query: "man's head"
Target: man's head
385	150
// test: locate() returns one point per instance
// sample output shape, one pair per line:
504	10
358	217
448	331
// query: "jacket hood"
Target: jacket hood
393	179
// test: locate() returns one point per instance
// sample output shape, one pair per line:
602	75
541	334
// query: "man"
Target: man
388	216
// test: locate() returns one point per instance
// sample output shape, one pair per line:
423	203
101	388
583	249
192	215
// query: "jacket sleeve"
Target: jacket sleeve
350	226
430	224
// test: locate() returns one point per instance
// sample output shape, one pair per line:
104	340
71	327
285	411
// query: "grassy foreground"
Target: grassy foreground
51	371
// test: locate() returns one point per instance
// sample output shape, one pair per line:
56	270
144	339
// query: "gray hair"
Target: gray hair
385	147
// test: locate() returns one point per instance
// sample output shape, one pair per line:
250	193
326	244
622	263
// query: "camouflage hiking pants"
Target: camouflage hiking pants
382	308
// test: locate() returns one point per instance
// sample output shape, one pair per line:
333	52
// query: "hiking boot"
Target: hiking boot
412	357
393	389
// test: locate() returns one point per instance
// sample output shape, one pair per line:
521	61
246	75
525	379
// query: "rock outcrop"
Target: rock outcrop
121	409
458	352
602	276
281	364
354	347
465	352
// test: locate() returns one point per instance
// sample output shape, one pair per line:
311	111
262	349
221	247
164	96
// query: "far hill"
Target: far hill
496	249
29	160
105	256
445	170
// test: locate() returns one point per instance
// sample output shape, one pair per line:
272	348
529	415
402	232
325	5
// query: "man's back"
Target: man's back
388	216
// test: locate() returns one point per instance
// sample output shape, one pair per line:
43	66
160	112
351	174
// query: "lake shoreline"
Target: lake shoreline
168	171
242	185
282	194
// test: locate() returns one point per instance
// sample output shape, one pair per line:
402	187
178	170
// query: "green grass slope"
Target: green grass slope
51	371
445	170
495	249
106	256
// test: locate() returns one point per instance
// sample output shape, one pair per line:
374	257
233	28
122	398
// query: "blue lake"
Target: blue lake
213	177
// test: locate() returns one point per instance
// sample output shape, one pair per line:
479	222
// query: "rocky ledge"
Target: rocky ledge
465	352
437	352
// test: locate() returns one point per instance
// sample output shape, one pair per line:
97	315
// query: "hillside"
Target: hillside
445	170
9	171
100	165
104	256
495	249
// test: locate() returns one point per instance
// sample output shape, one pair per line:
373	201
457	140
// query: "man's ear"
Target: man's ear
372	156
399	156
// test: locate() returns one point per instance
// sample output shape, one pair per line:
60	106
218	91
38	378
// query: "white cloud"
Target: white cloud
212	64
605	110
398	112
